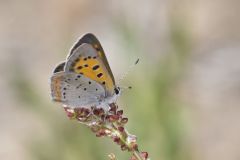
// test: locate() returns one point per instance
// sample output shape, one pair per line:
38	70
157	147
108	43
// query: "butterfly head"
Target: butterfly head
117	91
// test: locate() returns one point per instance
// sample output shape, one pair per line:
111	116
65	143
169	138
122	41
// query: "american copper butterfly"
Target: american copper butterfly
85	78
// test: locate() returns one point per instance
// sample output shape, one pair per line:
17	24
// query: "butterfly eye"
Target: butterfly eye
116	90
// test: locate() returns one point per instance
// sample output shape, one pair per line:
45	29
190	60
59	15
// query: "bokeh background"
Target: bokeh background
184	104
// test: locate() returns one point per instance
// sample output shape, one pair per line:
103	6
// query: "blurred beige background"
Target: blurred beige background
185	98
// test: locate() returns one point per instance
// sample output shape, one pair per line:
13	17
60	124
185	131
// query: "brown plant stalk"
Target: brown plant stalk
111	124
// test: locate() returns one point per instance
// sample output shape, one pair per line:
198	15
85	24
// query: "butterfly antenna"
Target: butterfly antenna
124	88
128	71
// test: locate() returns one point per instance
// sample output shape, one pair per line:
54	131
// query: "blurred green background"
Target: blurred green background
184	104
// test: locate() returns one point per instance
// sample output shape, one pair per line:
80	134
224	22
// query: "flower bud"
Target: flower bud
124	120
116	139
123	147
144	155
121	129
113	118
120	112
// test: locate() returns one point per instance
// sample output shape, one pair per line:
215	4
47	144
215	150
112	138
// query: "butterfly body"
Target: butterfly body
85	78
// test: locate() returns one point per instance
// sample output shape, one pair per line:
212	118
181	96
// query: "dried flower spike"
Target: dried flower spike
108	124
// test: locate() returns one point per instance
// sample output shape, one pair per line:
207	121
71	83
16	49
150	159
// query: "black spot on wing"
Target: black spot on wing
95	67
99	75
77	77
79	86
79	67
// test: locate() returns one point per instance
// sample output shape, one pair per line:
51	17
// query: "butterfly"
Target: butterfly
85	79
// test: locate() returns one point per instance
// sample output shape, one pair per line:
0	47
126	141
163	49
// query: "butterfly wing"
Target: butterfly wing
75	90
89	38
59	67
85	60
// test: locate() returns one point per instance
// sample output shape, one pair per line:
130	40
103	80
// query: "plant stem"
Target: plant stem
123	137
137	155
